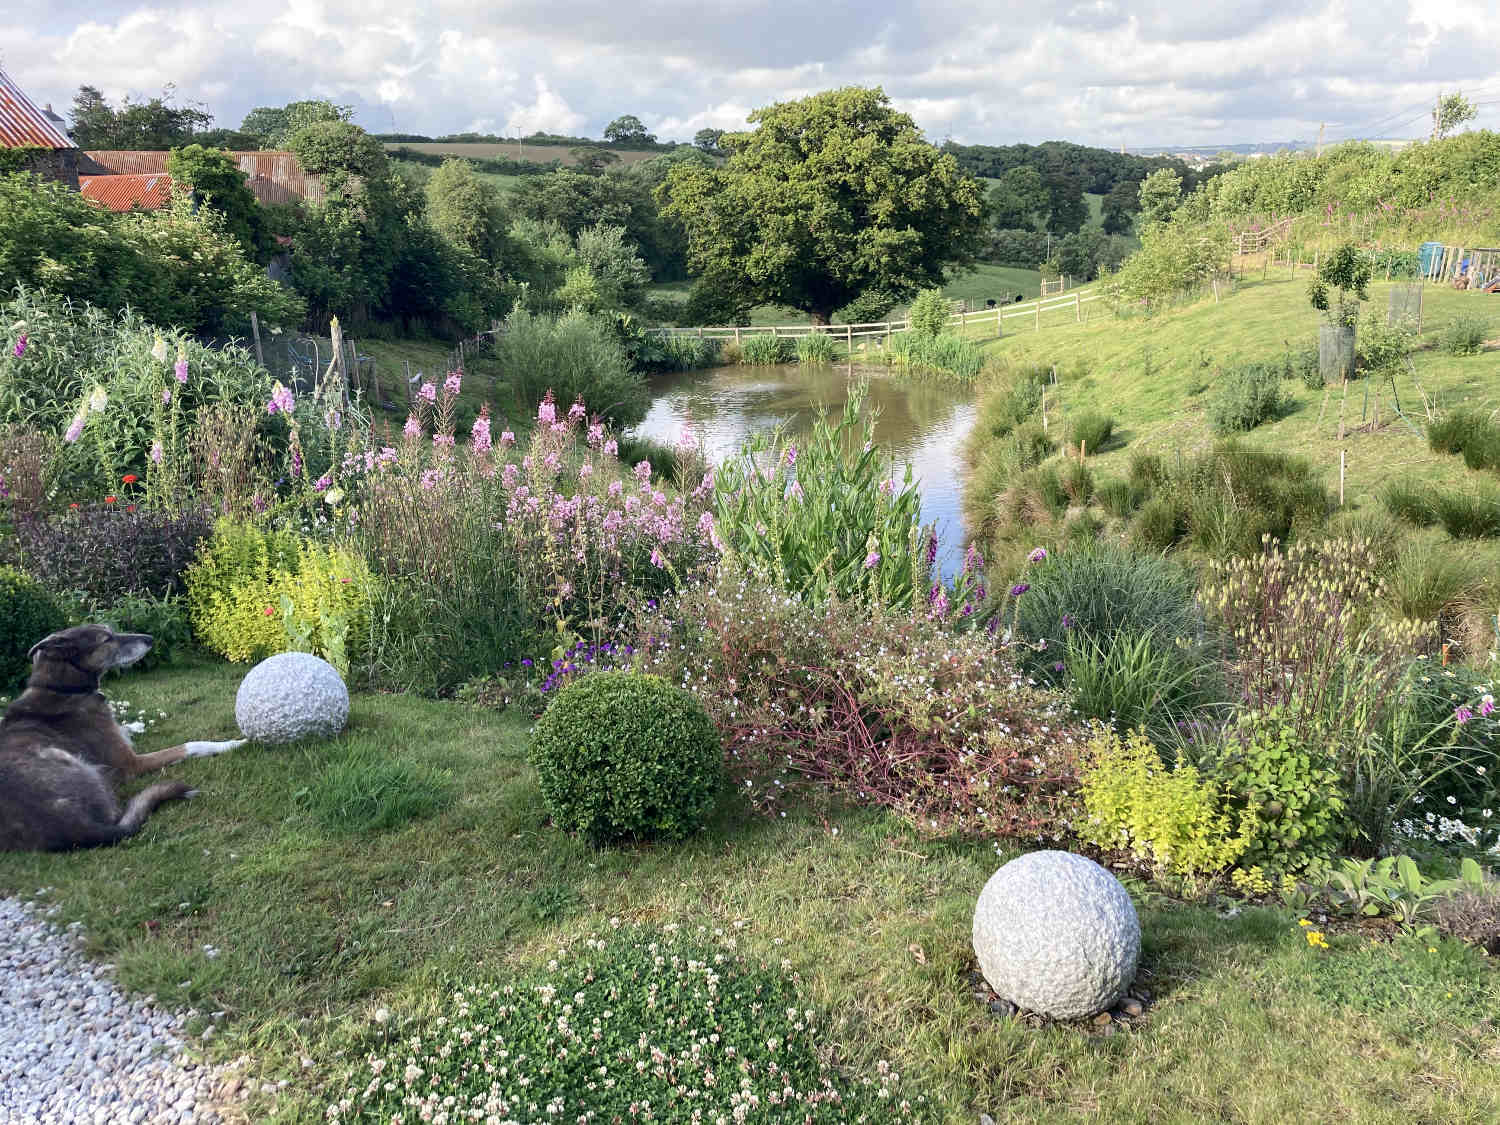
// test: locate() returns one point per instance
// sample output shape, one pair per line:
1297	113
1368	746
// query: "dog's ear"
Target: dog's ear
52	641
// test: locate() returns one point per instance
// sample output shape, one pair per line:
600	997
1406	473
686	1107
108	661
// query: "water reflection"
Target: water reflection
920	423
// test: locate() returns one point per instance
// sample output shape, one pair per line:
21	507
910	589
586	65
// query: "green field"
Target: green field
320	917
541	154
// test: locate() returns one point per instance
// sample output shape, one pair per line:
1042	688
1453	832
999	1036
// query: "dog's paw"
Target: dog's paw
205	749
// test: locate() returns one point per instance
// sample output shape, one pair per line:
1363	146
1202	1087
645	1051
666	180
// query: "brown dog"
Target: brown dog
62	753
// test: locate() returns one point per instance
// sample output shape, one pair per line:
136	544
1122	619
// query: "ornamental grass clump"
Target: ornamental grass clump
625	756
824	516
631	1025
891	708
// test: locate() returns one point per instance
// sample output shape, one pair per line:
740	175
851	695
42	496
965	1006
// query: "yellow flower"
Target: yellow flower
1316	940
1304	922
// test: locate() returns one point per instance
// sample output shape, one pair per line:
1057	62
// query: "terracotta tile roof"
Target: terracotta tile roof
126	193
22	123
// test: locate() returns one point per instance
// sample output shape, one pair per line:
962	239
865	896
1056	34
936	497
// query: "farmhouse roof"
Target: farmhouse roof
128	192
22	123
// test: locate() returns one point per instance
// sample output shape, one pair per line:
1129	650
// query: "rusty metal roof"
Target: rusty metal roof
22	123
128	192
273	176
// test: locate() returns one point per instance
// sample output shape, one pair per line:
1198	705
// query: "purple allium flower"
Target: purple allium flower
427	392
413	428
872	560
1462	714
1019	588
180	367
454	380
20	348
1038	554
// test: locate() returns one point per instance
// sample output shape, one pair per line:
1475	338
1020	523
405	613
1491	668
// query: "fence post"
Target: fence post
849	338
260	357
1078	306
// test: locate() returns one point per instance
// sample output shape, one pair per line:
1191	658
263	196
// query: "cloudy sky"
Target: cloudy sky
1107	72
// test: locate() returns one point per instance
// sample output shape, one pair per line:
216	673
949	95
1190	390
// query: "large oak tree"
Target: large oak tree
828	198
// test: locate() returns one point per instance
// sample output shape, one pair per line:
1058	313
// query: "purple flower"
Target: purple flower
1462	714
296	462
442	439
75	427
1068	621
596	433
155	453
1038	554
479	436
281	399
413	428
577	412
887	486
1019	588
322	483
872	560
546	412
166	396
973	560
20	349
795	491
507	439
1487	705
791	456
932	548
657	559
643	472
526	662
453	382
427	392
611	448
1058	667
180	368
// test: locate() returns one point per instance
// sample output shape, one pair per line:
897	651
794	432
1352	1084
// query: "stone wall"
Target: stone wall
59	164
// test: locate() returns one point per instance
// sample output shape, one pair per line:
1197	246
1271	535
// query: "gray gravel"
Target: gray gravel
74	1048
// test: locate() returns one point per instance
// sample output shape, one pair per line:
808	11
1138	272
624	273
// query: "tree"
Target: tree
593	161
465	209
215	180
708	140
628	130
1019	201
1120	206
1159	195
155	124
1067	210
1449	113
277	125
829	197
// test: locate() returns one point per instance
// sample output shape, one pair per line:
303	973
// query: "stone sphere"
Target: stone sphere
1056	934
289	696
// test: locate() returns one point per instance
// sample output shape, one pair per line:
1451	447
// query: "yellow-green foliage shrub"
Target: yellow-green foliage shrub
1173	817
253	593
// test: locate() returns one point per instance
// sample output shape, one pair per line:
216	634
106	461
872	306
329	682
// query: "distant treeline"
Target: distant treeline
494	165
538	139
1099	170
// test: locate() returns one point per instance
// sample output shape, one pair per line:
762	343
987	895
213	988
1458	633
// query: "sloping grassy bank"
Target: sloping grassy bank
331	888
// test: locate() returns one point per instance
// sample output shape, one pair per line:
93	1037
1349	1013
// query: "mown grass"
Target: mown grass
318	924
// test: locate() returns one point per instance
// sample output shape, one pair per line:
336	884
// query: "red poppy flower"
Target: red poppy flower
130	507
269	611
109	499
129	478
73	505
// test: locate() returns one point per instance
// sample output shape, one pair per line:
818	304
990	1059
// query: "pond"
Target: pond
921	423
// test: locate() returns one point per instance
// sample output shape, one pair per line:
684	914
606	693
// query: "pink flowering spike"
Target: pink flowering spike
643	472
480	435
1462	715
155	453
75	427
413	428
1487	705
577	412
507	438
872	560
427	392
453	382
180	367
546	412
20	348
611	448
166	396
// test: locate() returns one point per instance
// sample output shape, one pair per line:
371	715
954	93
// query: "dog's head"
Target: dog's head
92	649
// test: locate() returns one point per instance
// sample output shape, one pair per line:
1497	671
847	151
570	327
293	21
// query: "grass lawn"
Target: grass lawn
1157	375
319	919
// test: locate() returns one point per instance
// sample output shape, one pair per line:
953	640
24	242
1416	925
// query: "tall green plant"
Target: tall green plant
826	517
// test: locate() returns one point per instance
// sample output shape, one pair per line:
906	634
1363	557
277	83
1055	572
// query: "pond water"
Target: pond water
921	423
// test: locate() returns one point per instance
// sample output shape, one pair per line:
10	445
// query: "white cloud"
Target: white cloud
1097	71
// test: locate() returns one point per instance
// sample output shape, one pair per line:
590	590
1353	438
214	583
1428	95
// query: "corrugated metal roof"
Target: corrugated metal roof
22	123
129	192
274	176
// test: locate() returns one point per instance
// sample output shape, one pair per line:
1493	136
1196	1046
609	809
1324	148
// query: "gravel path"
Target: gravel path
74	1048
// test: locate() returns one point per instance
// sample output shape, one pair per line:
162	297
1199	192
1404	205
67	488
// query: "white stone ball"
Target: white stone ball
289	696
1056	934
